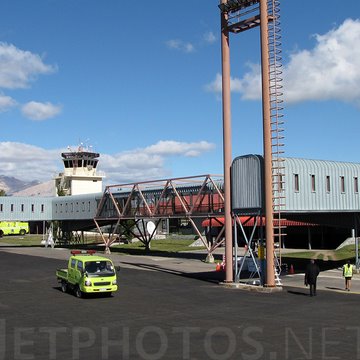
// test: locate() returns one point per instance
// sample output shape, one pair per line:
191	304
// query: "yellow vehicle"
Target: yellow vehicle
14	228
88	274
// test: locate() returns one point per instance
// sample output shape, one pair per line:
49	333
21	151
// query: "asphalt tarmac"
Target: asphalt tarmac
161	312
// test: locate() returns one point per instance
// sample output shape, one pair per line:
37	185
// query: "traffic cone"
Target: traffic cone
218	267
291	271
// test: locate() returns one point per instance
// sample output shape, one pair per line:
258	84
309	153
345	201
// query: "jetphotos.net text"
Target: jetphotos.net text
156	343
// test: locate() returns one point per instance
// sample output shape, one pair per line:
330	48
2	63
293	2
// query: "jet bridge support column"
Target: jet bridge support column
226	94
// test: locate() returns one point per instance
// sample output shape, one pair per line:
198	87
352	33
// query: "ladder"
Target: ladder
277	122
277	277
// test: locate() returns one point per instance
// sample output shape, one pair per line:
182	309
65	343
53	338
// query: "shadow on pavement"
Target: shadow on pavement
334	288
293	292
208	276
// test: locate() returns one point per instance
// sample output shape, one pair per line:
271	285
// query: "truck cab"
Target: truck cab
88	273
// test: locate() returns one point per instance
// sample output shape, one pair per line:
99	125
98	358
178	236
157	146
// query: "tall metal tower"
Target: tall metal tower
238	16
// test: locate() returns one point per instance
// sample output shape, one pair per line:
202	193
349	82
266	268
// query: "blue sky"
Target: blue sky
139	82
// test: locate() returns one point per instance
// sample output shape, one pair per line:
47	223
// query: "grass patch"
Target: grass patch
26	240
170	245
345	253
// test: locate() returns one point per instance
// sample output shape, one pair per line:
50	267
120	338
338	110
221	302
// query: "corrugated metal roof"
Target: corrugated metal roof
314	178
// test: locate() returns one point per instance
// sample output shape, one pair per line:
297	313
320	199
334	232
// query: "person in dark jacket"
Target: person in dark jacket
311	273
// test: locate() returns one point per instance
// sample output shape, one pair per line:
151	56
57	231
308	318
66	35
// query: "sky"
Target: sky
140	83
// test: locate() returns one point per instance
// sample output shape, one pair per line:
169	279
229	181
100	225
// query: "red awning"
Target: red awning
249	221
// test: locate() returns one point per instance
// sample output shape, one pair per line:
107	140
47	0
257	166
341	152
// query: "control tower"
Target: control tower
79	176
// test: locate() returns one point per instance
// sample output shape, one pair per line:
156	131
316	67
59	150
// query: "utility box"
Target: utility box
247	185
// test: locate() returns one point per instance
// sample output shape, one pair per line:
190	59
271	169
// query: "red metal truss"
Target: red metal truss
188	197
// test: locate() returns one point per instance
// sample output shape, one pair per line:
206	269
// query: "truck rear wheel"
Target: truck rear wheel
64	286
22	232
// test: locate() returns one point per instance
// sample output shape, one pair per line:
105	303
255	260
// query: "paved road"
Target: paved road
167	309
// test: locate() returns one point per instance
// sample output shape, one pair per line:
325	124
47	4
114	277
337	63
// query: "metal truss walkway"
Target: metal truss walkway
128	206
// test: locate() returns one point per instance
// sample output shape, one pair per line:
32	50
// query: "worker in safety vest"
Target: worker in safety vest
347	273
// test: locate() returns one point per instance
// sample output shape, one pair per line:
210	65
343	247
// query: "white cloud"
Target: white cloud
169	147
249	86
18	159
18	67
209	37
180	45
6	103
141	164
150	162
331	70
40	111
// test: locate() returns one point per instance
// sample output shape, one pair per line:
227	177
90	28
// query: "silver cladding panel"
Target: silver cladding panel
24	208
76	207
321	200
247	194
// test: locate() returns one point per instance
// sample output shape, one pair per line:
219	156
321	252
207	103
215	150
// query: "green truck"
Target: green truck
14	228
88	273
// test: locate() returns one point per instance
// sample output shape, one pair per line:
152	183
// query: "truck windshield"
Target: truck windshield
99	268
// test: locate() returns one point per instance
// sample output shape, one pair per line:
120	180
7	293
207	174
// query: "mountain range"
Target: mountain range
16	187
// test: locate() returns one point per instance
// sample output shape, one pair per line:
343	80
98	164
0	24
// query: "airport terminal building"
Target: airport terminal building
323	194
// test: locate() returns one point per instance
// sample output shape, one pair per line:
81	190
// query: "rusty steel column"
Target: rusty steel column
227	155
269	226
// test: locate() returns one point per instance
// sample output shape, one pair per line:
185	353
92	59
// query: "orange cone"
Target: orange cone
218	267
291	271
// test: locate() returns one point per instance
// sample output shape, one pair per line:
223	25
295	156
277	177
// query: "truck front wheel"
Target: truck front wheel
78	292
22	232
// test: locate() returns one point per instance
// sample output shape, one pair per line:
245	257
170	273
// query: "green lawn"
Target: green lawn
346	252
27	240
168	245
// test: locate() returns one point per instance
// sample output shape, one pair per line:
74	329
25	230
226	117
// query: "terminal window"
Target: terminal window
342	184
296	182
328	183
356	185
313	188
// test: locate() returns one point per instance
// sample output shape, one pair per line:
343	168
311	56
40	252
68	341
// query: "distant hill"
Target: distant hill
43	189
16	187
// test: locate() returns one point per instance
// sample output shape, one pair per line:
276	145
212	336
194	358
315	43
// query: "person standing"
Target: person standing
347	274
311	273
